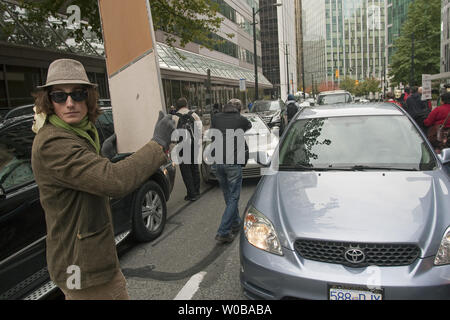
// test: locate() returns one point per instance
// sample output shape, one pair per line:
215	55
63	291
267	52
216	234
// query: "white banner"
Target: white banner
426	87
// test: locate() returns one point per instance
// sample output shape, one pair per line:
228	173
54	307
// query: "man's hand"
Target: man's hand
163	130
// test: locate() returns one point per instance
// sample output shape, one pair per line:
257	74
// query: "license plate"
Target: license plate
337	293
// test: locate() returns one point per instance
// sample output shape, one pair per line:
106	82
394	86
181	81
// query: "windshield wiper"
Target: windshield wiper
362	167
300	167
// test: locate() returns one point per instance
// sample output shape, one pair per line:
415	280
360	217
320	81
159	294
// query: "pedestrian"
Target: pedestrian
440	115
391	98
406	94
75	183
228	169
172	110
291	108
191	122
399	98
426	101
417	108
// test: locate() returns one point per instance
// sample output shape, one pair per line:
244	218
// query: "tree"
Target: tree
190	20
424	22
348	84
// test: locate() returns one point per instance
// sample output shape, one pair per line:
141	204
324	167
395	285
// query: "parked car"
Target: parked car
333	97
271	111
23	272
19	111
357	207
267	143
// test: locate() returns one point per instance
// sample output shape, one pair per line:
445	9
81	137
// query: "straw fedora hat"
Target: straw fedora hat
66	71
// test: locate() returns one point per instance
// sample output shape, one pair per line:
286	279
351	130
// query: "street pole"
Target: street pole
255	56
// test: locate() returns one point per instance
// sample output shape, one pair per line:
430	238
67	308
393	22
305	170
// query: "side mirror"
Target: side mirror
445	156
263	158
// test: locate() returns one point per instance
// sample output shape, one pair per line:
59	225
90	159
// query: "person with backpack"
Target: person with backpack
417	108
190	121
291	107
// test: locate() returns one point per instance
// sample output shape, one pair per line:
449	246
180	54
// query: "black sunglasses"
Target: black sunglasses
61	96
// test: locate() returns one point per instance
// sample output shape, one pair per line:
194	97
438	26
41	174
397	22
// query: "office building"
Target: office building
343	38
279	46
397	12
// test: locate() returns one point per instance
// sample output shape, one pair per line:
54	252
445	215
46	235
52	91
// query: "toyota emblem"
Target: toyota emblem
354	255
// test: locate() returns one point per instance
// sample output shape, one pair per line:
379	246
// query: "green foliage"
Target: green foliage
424	21
348	84
362	88
188	19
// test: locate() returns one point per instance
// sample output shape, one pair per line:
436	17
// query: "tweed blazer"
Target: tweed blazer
75	184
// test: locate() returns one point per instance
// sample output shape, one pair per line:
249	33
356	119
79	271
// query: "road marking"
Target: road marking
191	287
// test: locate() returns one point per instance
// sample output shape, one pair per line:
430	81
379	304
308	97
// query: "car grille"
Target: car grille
251	172
374	253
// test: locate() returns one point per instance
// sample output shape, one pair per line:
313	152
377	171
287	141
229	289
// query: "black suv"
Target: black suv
23	271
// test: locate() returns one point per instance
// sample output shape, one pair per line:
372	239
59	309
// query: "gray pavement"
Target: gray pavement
163	268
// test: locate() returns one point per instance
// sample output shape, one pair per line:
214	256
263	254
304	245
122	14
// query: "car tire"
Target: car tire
149	212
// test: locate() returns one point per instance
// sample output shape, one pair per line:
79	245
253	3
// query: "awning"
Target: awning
198	64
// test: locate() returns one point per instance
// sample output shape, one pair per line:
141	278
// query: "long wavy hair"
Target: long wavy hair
44	104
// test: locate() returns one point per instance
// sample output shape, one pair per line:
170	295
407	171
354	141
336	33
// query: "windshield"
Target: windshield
346	142
334	98
258	126
261	106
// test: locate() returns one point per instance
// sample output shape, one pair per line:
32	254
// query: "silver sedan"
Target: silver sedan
355	206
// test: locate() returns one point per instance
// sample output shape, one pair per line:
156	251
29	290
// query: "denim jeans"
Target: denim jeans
230	180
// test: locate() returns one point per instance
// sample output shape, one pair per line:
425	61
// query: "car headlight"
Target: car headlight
260	232
443	254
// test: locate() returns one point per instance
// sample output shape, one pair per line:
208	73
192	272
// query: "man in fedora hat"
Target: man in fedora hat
75	183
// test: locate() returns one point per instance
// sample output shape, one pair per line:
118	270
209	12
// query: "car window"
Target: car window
105	125
334	98
261	106
387	141
15	155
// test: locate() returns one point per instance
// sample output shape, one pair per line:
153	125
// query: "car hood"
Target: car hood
373	207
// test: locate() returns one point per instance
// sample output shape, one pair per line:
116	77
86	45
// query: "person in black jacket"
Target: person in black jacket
228	168
417	108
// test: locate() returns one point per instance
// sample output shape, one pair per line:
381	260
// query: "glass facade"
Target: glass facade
397	12
344	39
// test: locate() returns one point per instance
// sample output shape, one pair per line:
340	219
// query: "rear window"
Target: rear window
334	98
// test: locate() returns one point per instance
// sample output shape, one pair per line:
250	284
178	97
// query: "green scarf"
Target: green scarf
81	129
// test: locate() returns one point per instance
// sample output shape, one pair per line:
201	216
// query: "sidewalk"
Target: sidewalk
176	201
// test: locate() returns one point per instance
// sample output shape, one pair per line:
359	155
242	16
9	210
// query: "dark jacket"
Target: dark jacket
230	118
417	108
74	185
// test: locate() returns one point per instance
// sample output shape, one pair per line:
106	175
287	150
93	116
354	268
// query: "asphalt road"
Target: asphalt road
186	262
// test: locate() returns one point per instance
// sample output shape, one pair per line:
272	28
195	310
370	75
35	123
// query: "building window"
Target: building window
22	81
